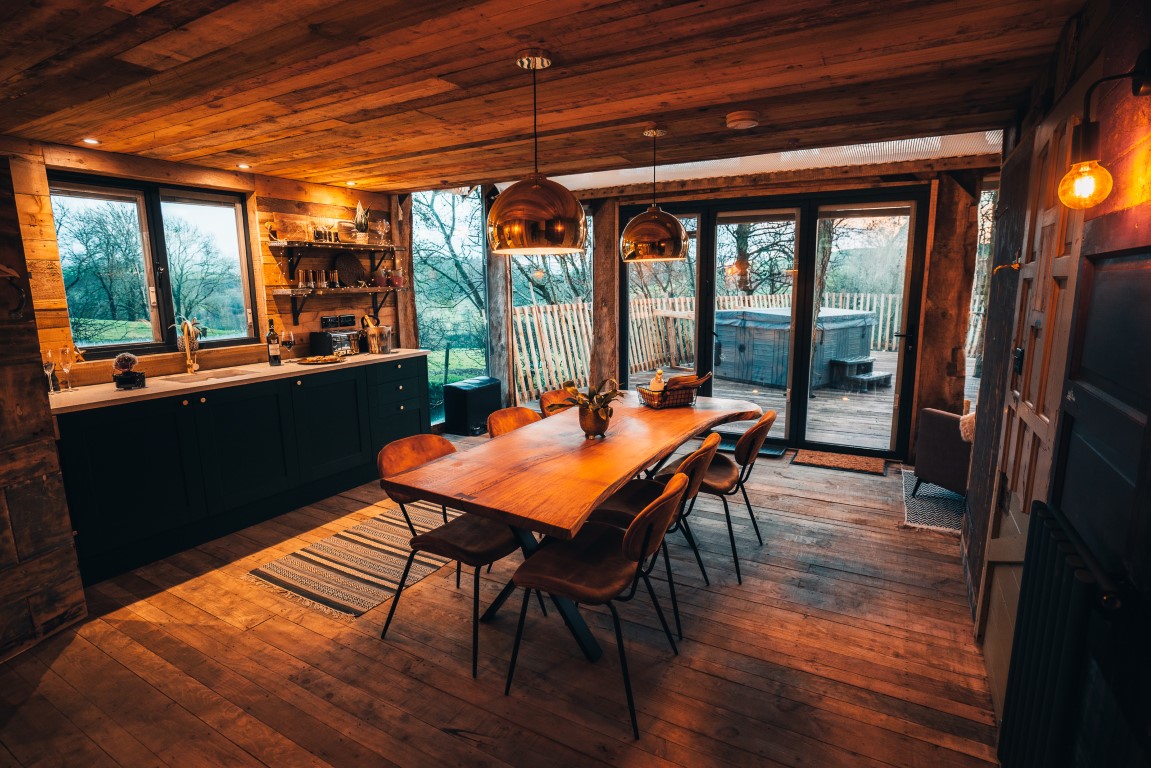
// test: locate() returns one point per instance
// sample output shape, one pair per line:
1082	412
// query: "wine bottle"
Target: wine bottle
273	340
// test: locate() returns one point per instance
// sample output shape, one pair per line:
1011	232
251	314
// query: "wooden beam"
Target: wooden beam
605	291
499	310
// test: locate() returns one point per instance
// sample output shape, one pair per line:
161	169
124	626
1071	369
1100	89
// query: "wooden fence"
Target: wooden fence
553	342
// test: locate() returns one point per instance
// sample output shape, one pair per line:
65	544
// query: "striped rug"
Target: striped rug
356	570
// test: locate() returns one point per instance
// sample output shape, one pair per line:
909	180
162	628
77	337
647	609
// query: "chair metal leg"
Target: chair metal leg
623	668
408	520
458	568
659	613
444	509
399	591
687	534
476	622
671	589
915	490
543	605
731	535
750	513
516	644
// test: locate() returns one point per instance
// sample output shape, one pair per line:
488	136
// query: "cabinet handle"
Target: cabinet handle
401	387
203	399
399	366
185	402
401	407
299	383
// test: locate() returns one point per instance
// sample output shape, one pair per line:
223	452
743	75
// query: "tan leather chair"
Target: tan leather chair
554	397
603	565
468	539
726	475
507	419
942	456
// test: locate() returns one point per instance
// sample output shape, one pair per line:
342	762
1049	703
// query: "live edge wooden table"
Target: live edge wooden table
546	477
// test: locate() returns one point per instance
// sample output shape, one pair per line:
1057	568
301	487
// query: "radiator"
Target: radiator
1050	658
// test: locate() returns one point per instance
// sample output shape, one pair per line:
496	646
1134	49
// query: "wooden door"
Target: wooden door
1043	307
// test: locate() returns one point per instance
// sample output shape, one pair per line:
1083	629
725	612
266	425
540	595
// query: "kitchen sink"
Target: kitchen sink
214	373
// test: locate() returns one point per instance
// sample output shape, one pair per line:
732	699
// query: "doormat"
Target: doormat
352	572
728	439
867	464
933	508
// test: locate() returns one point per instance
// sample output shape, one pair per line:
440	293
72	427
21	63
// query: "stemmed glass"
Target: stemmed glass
67	359
287	342
49	364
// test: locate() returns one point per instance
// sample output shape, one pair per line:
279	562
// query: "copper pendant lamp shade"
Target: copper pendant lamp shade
536	216
654	235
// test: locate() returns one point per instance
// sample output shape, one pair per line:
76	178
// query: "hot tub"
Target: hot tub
754	345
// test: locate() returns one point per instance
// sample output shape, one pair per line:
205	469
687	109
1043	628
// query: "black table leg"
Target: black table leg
568	609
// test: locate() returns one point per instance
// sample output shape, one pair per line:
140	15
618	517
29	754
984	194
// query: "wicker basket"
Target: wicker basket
668	398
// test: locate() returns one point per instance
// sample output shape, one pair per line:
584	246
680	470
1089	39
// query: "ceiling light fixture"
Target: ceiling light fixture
243	166
350	183
742	120
536	215
91	141
1088	183
654	235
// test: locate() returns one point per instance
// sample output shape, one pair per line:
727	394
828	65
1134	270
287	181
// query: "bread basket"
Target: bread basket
672	396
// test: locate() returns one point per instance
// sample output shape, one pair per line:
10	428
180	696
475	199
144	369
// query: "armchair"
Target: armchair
942	456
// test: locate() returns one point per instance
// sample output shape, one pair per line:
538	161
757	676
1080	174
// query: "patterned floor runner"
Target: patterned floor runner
354	571
935	508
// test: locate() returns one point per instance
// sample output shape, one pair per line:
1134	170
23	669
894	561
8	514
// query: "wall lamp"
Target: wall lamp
1087	183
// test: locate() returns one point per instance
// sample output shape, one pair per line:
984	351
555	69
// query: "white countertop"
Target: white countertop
99	395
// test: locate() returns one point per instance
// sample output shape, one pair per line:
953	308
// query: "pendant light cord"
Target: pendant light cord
653	168
535	126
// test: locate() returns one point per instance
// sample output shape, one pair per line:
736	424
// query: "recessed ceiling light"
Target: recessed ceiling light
350	183
93	142
742	120
243	165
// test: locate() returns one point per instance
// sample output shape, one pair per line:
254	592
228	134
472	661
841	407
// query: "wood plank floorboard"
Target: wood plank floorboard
848	644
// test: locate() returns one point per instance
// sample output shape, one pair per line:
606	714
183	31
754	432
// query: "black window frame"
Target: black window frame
153	196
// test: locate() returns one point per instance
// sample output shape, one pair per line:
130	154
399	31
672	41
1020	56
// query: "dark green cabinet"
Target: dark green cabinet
149	478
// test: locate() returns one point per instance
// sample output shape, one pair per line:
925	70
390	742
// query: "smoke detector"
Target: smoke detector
742	120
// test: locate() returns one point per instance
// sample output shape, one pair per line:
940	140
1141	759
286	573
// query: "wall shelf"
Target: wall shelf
295	250
300	296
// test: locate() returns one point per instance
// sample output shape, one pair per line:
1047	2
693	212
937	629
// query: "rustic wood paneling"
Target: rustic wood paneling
432	99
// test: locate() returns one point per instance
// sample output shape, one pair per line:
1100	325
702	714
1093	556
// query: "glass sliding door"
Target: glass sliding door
755	265
856	345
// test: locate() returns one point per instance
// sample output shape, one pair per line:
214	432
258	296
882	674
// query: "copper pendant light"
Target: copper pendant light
536	216
653	235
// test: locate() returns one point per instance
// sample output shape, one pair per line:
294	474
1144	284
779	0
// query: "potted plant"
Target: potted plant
360	222
594	406
122	372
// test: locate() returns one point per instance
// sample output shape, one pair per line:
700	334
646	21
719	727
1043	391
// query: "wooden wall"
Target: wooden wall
40	589
289	204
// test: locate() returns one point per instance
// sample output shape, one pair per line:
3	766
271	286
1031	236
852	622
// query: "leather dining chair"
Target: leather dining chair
622	506
507	419
726	475
603	565
556	397
468	539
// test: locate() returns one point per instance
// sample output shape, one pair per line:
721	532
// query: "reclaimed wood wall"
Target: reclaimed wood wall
290	204
40	589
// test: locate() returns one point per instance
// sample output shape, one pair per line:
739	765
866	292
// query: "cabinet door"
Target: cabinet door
130	472
398	394
331	415
248	443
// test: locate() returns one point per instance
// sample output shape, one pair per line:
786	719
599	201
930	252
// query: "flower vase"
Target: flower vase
592	424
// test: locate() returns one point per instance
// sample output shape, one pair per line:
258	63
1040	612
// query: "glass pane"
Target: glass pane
980	288
861	267
551	321
106	267
205	268
661	314
755	263
448	259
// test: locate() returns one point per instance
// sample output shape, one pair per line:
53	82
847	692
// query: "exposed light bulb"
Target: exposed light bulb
1086	185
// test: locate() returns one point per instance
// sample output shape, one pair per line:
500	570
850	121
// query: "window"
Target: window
136	258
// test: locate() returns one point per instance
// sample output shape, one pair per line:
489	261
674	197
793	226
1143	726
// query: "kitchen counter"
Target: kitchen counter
100	395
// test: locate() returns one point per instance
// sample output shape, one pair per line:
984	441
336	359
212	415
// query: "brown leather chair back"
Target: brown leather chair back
656	517
695	465
556	397
407	453
749	443
506	419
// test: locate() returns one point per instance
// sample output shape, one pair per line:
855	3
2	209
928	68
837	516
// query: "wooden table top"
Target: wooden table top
547	477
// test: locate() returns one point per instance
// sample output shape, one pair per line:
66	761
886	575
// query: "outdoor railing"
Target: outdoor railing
553	342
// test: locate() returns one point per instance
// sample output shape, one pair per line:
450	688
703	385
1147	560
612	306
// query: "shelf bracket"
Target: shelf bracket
298	303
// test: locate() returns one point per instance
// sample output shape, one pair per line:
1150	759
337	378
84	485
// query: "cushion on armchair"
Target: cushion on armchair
942	456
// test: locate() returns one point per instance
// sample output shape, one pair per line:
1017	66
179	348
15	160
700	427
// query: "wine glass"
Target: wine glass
49	364
287	342
67	359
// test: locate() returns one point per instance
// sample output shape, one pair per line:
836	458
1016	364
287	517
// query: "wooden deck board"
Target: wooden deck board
848	644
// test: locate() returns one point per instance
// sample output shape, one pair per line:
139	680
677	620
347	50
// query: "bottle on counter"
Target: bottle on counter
273	340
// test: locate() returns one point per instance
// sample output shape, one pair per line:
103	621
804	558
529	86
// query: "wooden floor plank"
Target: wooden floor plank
848	644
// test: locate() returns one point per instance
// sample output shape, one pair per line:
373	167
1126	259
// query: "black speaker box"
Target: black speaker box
467	404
